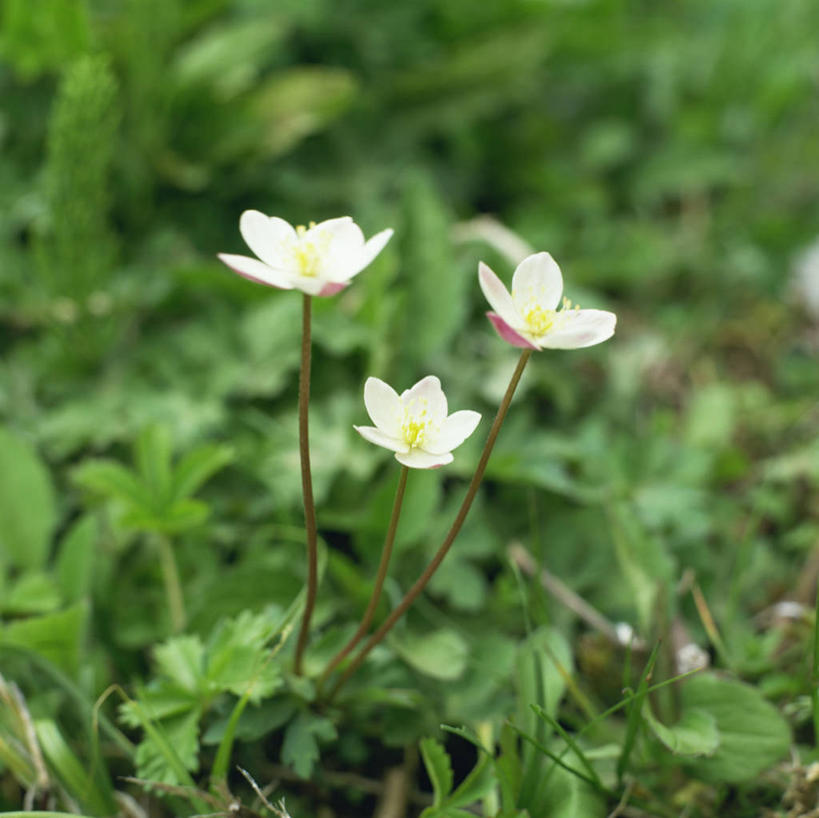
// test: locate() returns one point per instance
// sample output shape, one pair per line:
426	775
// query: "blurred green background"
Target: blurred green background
665	153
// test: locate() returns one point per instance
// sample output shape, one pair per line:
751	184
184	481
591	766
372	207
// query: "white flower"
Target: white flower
529	317
319	260
415	424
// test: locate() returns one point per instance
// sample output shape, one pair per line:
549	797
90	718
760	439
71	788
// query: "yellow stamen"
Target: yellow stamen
416	423
539	320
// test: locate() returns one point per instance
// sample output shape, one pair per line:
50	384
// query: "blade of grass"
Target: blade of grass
42	815
560	762
557	727
815	673
94	795
635	714
74	692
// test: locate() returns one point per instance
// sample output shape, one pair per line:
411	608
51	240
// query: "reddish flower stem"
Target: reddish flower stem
306	485
381	575
453	532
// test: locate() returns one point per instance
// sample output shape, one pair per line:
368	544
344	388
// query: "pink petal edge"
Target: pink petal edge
507	333
249	277
332	289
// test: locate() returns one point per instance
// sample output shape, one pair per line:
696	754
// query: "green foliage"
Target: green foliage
27	504
156	494
448	803
630	143
301	741
77	244
753	735
56	636
41	35
191	676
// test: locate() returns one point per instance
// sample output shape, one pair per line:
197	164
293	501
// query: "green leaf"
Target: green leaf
181	516
56	636
32	593
753	735
152	457
643	560
567	796
237	659
75	559
27	506
158	701
542	661
111	479
298	101
196	467
695	734
41	35
164	748
478	784
438	286
182	659
439	769
441	654
301	741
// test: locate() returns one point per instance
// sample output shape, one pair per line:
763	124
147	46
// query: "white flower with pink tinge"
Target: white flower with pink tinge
415	424
529	317
318	260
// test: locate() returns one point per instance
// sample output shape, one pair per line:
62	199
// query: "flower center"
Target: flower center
307	256
416	424
541	321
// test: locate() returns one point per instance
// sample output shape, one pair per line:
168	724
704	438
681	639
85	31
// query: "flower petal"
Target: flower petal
498	296
537	281
311	285
419	459
428	393
383	406
332	289
269	237
508	334
257	271
338	244
454	431
380	439
580	328
370	250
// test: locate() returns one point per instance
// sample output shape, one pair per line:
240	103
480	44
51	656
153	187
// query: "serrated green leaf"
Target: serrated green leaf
479	783
153	758
158	701
439	769
182	659
301	741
